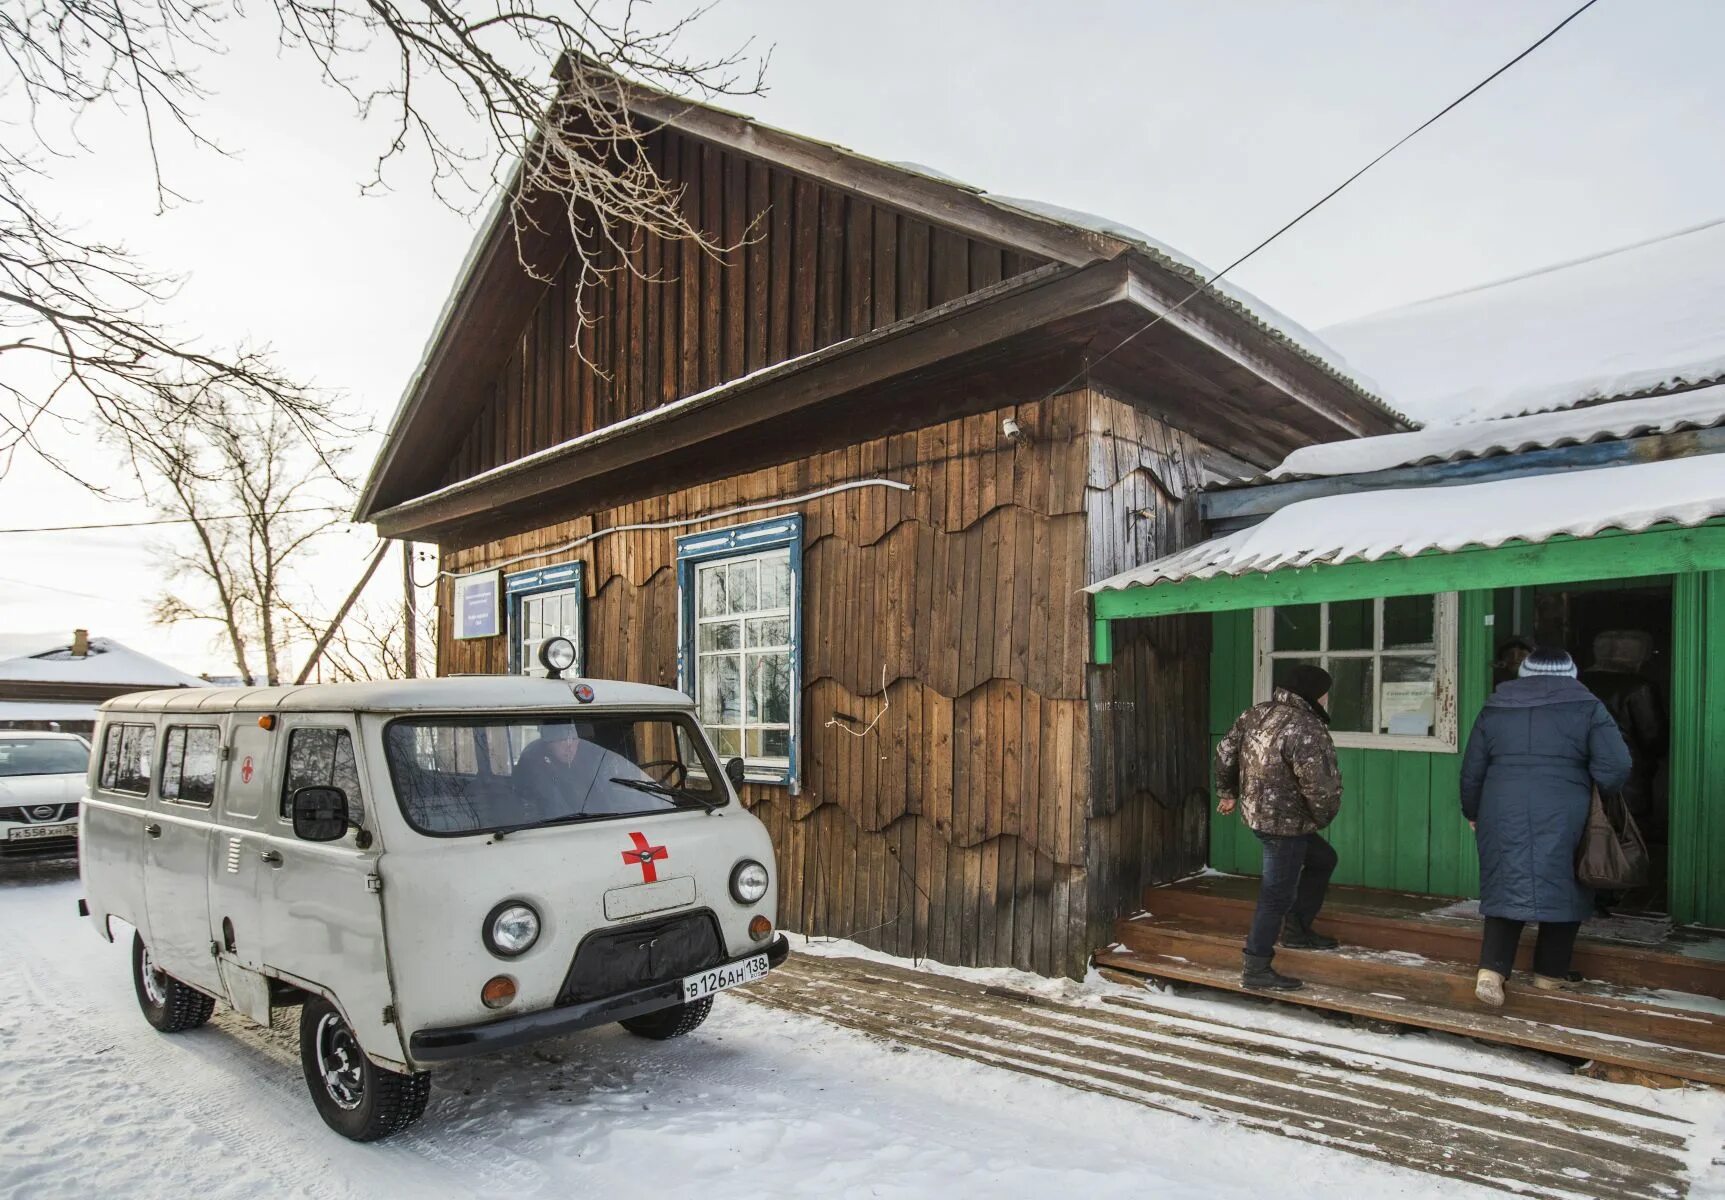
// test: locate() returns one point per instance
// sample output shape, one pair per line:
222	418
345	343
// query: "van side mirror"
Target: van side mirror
319	814
734	771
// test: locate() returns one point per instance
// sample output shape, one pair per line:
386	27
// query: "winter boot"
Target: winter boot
1298	935
1488	988
1548	983
1260	976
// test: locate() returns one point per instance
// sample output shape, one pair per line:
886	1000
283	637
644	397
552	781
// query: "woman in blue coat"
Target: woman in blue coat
1540	746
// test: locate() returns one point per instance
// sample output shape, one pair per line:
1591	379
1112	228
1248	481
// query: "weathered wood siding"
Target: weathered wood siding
1148	710
960	826
812	266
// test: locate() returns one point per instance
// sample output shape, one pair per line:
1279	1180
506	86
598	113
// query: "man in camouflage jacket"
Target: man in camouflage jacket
1278	766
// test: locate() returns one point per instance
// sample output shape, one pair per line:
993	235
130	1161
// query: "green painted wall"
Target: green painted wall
1400	825
1697	872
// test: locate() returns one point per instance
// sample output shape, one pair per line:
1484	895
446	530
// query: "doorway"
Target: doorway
1620	634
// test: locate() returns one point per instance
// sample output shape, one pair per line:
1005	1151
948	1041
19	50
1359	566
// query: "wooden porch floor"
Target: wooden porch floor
1653	1002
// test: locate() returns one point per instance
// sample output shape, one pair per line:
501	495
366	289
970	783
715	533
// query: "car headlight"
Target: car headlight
748	881
511	929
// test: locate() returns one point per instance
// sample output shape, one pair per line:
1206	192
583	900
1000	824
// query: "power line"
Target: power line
163	521
1328	196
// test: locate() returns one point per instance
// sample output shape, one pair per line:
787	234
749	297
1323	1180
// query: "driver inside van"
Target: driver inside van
562	774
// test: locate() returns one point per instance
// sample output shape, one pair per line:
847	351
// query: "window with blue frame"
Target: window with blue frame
545	603
738	653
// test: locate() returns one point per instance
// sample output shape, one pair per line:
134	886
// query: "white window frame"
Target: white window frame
559	582
1444	615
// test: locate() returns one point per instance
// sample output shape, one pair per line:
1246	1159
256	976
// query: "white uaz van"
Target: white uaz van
432	869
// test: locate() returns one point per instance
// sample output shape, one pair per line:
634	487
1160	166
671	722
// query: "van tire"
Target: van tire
381	1102
168	1004
667	1023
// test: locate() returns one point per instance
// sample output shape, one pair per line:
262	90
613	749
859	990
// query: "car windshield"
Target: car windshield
456	775
43	756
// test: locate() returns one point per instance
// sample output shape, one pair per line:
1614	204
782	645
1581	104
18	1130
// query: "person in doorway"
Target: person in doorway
1278	766
1507	665
1616	678
1539	747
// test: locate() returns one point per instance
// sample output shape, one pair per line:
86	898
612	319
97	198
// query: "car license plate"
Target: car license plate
23	833
727	976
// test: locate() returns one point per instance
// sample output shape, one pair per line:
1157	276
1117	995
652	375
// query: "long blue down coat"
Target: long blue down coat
1539	746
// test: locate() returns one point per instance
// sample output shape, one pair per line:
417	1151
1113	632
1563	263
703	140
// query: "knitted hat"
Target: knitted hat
1308	682
1548	661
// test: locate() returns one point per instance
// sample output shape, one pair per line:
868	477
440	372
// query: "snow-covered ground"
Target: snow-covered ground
95	1103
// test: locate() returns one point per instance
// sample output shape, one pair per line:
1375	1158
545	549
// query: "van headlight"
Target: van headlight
748	881
511	929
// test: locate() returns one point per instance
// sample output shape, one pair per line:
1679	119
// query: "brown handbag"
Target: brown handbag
1613	854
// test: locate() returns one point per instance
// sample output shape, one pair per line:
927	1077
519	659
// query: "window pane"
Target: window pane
712	589
1409	622
721	689
172	750
1353	625
198	770
1409	695
776	581
728	741
719	635
742	586
1296	627
772	692
775	743
769	631
111	756
1351	695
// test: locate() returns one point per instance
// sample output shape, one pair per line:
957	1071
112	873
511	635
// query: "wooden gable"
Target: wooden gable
813	266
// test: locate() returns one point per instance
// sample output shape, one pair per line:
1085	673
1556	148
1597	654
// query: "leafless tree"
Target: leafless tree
370	643
255	495
528	99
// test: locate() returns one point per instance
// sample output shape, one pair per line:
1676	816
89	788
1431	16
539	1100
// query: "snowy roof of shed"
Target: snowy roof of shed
1700	408
1643	318
48	658
1405	522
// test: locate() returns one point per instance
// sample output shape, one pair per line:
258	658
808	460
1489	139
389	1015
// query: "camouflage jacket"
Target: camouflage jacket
1278	761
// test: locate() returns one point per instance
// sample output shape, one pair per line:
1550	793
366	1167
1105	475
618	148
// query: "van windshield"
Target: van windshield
457	775
43	756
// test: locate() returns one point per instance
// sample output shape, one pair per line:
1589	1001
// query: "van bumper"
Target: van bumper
484	1037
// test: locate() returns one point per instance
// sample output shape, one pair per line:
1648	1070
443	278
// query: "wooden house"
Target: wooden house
846	485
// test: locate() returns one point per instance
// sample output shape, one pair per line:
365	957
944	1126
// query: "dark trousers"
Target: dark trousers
1552	949
1297	872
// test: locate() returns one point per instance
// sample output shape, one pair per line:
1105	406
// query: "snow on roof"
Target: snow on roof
48	658
1701	408
45	710
1642	318
1408	521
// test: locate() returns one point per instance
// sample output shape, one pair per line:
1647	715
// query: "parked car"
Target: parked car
430	869
41	781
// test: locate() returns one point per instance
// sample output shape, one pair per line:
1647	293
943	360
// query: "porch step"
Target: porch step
1594	1008
1688	961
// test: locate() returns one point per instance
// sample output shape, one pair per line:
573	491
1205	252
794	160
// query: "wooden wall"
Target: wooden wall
813	266
1149	710
957	827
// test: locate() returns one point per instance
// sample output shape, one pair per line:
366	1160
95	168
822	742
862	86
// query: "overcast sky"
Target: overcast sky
1205	124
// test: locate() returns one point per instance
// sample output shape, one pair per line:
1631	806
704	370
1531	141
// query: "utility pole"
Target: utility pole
341	613
409	612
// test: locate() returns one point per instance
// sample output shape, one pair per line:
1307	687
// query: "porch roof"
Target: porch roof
1649	518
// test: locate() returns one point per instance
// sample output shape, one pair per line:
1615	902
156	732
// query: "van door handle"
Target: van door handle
272	857
153	829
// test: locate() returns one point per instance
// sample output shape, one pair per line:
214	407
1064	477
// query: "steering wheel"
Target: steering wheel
676	777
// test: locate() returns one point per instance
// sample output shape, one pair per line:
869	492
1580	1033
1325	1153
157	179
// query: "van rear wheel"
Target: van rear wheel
168	1004
354	1096
668	1023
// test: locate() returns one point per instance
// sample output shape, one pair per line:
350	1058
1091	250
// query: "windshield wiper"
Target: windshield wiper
566	819
661	789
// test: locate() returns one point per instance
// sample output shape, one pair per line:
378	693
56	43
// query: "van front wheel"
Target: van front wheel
668	1023
168	1004
354	1096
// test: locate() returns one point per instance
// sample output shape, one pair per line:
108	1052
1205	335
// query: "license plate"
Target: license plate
24	833
727	976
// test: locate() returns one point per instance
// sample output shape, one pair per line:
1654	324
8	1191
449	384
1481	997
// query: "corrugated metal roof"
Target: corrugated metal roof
1408	521
1701	408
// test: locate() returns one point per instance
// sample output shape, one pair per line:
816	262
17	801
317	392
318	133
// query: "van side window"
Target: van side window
126	754
322	758
189	756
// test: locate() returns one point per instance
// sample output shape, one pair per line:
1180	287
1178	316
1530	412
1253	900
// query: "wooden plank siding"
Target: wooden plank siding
809	265
1148	710
964	825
